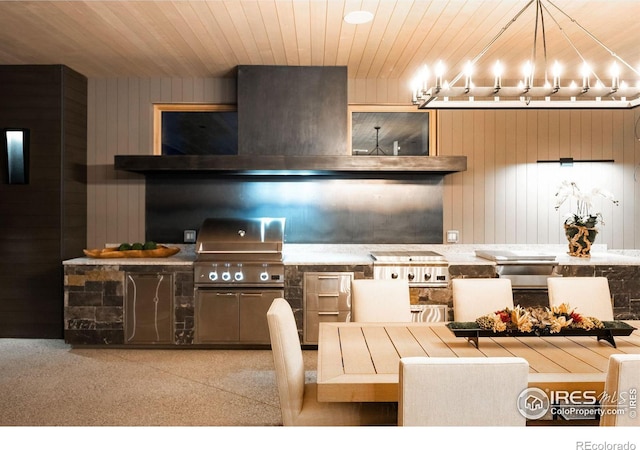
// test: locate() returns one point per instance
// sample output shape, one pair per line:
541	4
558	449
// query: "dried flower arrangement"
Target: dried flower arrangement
538	320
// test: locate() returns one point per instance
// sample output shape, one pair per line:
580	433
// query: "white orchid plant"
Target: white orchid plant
583	215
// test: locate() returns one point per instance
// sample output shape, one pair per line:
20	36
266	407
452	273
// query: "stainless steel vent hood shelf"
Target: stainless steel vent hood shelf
290	165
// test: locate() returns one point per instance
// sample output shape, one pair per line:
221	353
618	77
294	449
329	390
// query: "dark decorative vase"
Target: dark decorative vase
580	240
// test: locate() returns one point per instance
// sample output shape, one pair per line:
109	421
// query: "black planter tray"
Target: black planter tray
472	332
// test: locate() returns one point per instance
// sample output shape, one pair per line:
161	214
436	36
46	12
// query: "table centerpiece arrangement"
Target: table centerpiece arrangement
559	320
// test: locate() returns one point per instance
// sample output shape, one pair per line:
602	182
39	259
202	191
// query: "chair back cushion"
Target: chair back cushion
380	301
621	385
461	391
287	358
590	296
475	297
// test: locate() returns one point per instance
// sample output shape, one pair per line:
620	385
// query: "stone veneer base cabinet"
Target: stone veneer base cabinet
94	295
94	300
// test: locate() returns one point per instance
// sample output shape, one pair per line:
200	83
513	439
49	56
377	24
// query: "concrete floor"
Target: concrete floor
48	383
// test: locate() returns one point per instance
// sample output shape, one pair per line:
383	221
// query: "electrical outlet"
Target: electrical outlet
189	236
453	236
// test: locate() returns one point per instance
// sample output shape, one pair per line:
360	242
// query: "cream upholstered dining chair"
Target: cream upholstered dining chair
298	400
623	376
590	296
380	301
477	391
475	297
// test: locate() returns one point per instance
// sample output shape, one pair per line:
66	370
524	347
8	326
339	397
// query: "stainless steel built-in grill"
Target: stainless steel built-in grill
240	252
419	268
238	273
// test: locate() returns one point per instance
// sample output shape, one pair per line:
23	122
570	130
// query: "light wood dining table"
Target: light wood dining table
359	362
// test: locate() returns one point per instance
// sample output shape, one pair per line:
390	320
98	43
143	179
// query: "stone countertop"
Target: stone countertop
351	254
454	254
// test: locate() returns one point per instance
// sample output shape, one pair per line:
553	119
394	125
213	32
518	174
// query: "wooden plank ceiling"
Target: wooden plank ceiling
210	38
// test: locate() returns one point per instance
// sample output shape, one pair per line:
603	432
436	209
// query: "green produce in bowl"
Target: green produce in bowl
124	247
150	245
137	246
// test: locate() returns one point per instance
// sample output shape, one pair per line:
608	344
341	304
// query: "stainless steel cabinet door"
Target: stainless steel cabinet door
253	315
217	316
148	314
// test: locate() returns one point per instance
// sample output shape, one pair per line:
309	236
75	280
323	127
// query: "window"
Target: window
195	129
392	130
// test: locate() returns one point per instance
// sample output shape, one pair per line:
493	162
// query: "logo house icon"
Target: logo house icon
533	403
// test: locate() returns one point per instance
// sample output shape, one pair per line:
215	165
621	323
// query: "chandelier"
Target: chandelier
589	91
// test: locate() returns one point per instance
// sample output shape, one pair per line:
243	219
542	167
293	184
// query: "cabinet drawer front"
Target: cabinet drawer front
328	302
328	282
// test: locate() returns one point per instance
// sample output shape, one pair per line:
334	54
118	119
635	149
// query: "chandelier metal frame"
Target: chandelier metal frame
550	95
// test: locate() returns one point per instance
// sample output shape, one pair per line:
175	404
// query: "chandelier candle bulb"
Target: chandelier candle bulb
497	72
527	76
615	77
439	74
556	76
425	78
585	78
468	70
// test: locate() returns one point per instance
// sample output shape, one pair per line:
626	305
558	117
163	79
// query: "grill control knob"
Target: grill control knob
238	276
427	276
213	276
226	275
410	276
394	275
264	276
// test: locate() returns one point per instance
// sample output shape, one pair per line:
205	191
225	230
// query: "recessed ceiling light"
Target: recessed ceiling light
358	17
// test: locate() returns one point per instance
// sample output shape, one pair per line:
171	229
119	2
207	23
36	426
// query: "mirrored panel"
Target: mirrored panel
392	131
